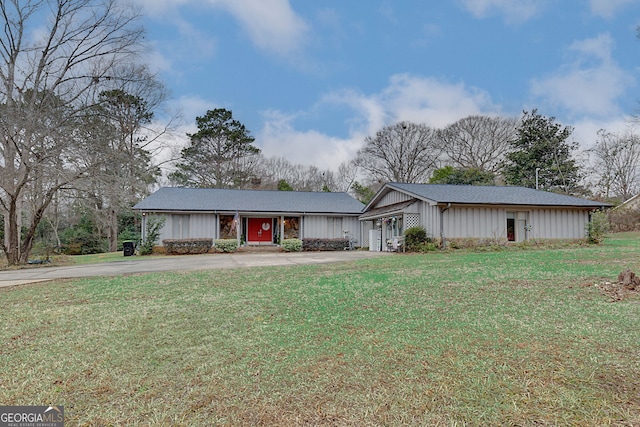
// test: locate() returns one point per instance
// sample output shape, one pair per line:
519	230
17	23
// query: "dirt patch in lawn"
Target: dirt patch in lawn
626	286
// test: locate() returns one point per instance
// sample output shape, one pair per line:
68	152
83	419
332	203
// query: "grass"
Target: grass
518	337
94	258
105	257
58	260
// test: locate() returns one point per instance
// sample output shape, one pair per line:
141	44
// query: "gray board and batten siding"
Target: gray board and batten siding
197	212
445	211
482	212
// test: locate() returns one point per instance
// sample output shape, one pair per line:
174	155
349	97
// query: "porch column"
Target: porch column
238	225
281	228
143	230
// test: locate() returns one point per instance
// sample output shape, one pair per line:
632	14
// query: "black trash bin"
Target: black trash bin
128	247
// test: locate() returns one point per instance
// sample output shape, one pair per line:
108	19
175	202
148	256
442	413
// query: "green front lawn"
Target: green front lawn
107	257
519	337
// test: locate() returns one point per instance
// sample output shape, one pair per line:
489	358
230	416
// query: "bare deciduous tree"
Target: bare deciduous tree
270	171
404	152
125	112
302	177
478	142
616	163
346	177
48	80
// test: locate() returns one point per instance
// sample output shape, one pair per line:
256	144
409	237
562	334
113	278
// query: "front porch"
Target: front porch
387	225
259	231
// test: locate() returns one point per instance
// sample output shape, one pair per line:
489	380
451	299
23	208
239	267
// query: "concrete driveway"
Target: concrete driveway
135	265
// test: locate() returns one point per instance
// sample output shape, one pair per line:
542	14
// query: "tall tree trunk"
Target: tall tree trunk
112	230
12	233
48	84
29	237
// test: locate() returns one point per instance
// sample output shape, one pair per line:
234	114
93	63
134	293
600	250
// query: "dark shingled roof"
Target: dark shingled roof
491	195
215	199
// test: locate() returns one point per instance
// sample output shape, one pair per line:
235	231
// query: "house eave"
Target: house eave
395	209
244	212
520	206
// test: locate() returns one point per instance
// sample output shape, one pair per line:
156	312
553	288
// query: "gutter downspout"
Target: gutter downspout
443	241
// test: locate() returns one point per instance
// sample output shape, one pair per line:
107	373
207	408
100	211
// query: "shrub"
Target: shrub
624	219
479	243
83	238
325	244
292	245
154	225
414	238
84	246
226	245
426	247
187	246
598	227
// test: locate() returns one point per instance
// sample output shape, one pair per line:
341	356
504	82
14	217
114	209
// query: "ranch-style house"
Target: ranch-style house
447	212
254	217
484	213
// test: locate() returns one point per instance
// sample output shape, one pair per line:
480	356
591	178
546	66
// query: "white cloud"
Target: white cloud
608	8
418	99
160	8
190	108
370	114
590	83
411	98
278	138
387	10
513	11
179	114
433	102
586	130
271	25
187	43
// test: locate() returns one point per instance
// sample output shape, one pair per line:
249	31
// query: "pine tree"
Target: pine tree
219	155
542	145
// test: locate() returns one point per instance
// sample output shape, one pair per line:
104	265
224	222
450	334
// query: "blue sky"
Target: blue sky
311	79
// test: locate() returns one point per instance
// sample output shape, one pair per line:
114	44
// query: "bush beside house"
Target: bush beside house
226	245
311	244
187	246
292	245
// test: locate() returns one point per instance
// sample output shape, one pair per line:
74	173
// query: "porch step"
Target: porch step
259	248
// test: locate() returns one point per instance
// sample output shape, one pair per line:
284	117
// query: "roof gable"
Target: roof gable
632	202
485	195
216	199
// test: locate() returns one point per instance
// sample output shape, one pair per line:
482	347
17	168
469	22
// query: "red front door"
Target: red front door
260	230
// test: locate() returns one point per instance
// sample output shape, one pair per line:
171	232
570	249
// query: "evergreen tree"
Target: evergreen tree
283	185
542	145
219	155
364	193
460	176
